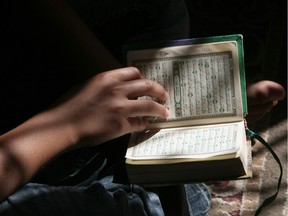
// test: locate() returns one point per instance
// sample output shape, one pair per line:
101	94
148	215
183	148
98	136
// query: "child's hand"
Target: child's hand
262	96
106	107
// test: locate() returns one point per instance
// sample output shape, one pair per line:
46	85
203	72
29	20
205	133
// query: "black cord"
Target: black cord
273	197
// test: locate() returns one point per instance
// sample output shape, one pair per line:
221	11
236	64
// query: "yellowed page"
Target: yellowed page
202	81
192	143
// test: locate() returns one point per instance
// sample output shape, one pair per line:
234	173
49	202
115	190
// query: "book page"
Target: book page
188	142
201	80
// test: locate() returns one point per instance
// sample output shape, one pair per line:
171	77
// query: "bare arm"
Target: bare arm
31	145
102	109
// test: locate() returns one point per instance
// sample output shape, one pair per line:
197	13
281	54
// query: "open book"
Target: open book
204	136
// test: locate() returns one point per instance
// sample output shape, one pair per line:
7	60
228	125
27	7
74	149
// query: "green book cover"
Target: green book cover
189	64
204	136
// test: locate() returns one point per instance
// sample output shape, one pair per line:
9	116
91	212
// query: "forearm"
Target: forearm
24	150
98	111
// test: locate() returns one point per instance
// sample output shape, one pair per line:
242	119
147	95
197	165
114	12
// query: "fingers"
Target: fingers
253	118
261	108
133	85
147	108
262	97
264	91
126	74
144	87
137	124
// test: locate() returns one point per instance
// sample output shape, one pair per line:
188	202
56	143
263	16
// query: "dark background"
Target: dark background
26	74
263	24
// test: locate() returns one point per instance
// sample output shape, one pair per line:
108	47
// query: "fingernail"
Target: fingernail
167	95
167	113
275	102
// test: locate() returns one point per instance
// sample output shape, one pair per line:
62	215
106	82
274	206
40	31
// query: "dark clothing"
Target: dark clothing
87	181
